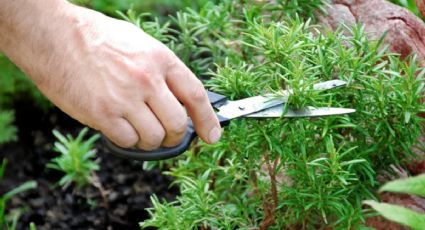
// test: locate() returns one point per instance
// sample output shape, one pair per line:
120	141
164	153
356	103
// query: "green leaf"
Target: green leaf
32	226
60	137
15	216
399	214
81	134
3	168
7	129
355	161
412	185
21	188
68	178
407	116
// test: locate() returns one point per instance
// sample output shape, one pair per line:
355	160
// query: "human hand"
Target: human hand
113	77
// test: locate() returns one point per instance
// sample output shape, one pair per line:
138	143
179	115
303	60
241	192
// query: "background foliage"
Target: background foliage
14	86
9	219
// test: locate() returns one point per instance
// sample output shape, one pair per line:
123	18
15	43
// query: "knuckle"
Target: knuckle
171	59
198	93
208	118
127	142
149	81
144	76
177	129
146	147
164	54
153	141
137	71
124	140
104	108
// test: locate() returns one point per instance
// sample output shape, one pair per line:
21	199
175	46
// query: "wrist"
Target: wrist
34	34
20	19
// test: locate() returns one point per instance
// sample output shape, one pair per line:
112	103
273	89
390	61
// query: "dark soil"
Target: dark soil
49	206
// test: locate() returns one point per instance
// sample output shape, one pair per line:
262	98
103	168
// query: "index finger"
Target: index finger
191	92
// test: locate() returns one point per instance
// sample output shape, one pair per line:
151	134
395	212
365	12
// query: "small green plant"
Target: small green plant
76	158
414	186
9	220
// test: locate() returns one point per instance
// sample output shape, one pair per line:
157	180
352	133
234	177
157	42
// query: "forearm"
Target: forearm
31	31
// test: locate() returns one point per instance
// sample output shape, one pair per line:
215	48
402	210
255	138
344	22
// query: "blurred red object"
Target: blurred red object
416	167
405	31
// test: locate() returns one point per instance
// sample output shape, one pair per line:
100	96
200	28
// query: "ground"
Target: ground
128	186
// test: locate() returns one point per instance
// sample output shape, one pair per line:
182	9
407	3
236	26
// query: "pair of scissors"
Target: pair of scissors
252	107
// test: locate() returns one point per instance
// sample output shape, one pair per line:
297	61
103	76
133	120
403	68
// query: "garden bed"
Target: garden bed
128	186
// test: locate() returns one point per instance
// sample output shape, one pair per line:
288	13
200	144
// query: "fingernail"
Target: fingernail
214	135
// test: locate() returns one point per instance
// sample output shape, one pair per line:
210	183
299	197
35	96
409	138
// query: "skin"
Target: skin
106	73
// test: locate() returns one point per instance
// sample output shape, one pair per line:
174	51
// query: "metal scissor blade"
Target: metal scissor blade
277	111
329	84
239	108
233	109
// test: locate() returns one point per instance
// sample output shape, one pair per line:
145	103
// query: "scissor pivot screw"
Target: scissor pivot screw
242	107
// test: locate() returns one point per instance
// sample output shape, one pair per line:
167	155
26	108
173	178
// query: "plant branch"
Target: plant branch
95	181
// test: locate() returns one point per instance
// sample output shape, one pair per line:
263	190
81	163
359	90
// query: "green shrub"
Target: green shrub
76	158
205	37
289	173
414	186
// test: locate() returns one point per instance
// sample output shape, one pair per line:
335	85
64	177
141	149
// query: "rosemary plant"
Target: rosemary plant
289	173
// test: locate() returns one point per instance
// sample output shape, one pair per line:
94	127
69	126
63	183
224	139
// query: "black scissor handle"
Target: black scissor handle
155	155
162	153
215	98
